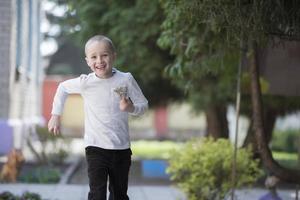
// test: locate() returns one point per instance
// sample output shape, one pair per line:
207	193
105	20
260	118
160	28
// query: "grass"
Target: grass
143	149
289	160
153	149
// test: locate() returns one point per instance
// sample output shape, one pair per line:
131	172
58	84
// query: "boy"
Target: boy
108	95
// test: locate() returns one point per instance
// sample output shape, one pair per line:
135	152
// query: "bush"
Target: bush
41	175
30	196
7	196
286	141
202	168
24	196
44	142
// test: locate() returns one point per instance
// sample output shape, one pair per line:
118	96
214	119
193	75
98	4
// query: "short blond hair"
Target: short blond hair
100	38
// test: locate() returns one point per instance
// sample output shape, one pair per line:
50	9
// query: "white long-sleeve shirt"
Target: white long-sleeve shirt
106	126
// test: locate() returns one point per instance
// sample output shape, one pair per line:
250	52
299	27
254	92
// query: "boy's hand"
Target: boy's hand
54	124
126	105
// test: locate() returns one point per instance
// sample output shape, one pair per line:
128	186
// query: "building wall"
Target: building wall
5	36
279	65
20	70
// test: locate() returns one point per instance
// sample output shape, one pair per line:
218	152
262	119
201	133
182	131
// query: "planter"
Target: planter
155	169
142	172
35	173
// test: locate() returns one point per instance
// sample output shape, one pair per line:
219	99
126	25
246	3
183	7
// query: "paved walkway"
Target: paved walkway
137	190
79	192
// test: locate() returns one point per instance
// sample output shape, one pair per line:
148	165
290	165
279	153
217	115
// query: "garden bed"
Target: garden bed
37	173
137	174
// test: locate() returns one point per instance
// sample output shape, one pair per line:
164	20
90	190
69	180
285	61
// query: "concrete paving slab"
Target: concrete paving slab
256	193
80	192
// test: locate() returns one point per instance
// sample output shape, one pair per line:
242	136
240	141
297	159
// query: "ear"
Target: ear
87	61
114	56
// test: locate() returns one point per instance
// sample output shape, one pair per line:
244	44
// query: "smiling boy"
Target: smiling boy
106	134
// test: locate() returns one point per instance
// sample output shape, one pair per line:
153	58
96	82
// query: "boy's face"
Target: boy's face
100	58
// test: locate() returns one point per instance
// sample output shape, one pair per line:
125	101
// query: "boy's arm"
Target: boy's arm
136	96
65	88
54	124
126	105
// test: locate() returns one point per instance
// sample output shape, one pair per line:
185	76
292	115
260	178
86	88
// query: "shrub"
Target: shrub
41	175
25	196
7	196
30	196
44	142
202	168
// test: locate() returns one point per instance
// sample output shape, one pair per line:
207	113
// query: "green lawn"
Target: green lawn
161	150
287	159
153	149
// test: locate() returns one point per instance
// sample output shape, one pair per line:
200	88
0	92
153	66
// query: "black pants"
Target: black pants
104	164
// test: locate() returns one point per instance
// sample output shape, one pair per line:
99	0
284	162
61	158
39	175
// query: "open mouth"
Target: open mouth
100	67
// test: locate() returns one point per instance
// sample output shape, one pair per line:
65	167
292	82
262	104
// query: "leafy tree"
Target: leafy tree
243	25
134	27
204	64
207	52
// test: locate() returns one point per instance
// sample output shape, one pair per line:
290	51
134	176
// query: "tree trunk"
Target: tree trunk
217	125
288	175
250	139
270	116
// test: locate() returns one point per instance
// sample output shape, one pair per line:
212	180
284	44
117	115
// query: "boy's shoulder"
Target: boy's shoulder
121	74
85	76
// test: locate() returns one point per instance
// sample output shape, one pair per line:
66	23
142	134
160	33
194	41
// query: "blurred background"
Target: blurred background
187	71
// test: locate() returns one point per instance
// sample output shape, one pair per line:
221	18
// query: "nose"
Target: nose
99	59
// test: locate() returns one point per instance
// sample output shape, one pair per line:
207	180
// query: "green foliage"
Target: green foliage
202	168
286	141
246	84
25	196
289	160
134	27
240	19
204	66
44	135
41	174
7	196
205	38
58	157
30	196
46	141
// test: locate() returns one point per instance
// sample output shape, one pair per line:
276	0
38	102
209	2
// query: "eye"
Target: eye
105	55
93	57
